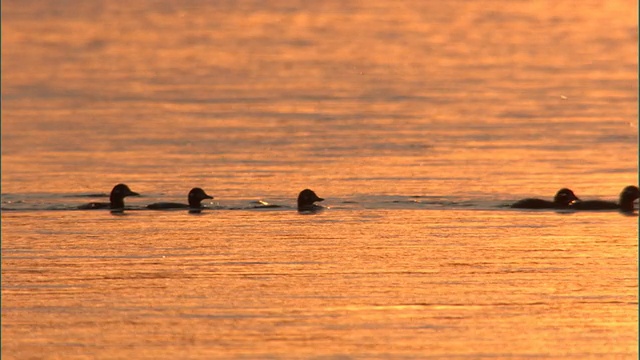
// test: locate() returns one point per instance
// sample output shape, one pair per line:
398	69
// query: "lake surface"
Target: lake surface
418	122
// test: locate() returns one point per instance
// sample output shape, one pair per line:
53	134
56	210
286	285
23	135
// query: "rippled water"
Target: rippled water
416	121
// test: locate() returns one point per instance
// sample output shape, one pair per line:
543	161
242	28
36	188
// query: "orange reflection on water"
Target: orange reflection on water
416	121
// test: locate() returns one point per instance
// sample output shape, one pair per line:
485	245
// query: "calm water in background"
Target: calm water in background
416	121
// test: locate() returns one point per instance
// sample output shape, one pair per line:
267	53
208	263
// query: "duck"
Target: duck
564	197
306	200
116	199
628	195
196	195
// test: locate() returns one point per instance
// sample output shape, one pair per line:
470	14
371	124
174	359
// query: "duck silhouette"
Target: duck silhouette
195	197
116	199
628	195
306	200
564	197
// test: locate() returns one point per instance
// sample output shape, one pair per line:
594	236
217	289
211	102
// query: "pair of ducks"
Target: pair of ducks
566	199
306	200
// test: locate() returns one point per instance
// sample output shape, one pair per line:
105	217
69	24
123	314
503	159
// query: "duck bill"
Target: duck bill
132	193
319	199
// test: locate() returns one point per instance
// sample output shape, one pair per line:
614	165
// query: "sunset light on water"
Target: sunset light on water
418	123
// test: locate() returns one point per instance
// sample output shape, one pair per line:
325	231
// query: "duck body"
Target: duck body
306	200
195	197
116	199
533	203
595	205
564	197
628	195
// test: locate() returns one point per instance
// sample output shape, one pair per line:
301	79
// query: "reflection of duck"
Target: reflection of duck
564	197
306	200
628	195
116	199
196	195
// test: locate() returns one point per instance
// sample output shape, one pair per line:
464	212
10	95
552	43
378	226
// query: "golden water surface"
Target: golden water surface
417	121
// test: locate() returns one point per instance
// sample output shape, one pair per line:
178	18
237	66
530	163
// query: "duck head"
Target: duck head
306	198
565	197
196	195
118	194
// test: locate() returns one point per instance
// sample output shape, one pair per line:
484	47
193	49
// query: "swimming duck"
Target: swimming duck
196	195
306	200
628	195
564	197
116	199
